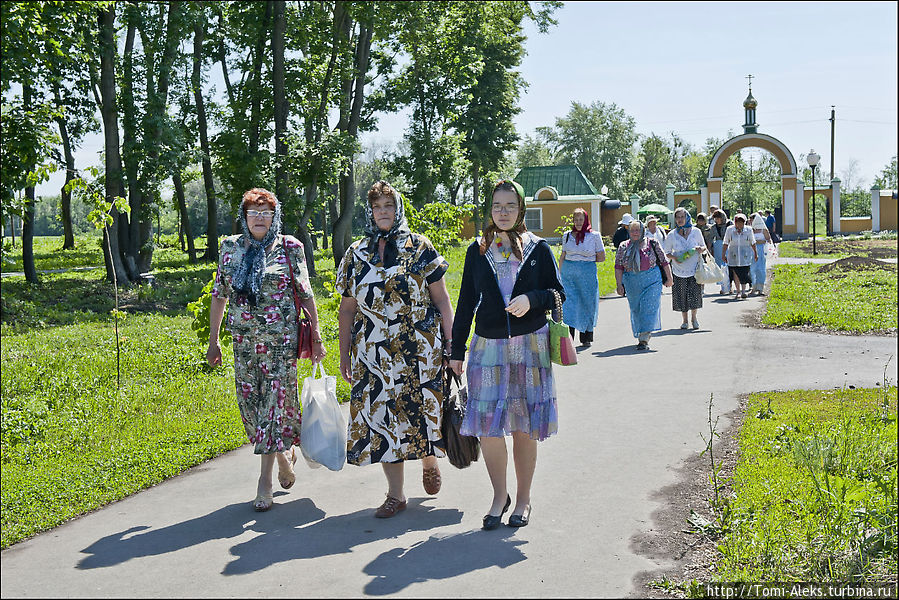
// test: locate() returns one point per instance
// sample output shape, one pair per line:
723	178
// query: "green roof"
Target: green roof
567	179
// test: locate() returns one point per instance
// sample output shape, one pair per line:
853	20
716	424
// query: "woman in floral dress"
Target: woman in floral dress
395	318
254	272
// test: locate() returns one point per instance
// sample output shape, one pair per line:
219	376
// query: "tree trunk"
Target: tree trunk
256	100
115	187
185	217
279	27
129	233
28	220
212	239
354	92
65	194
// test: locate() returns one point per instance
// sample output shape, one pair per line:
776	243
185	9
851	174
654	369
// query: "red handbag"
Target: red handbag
304	326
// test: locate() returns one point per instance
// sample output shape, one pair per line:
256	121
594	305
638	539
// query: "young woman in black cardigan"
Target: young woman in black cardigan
508	283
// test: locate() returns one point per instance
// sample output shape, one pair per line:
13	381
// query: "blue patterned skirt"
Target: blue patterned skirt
511	387
644	295
581	306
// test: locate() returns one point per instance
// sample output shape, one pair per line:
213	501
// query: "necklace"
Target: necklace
499	245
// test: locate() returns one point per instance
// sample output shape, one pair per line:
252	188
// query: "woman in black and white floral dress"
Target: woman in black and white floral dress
395	318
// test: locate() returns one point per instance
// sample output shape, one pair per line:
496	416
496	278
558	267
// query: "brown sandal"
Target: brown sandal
431	480
390	507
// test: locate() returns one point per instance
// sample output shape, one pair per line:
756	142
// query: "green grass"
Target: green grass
69	444
858	301
814	490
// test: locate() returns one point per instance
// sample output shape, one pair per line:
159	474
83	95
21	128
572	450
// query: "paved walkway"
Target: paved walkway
627	421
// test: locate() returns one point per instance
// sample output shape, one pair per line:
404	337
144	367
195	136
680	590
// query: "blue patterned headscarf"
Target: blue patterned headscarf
684	229
375	233
632	252
247	277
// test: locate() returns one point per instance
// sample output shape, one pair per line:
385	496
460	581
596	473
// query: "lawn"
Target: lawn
70	443
855	295
814	491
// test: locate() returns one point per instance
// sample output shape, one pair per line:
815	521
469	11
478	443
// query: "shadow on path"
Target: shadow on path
442	558
283	541
226	522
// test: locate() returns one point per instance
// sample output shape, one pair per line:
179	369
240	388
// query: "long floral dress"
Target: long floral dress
265	342
396	352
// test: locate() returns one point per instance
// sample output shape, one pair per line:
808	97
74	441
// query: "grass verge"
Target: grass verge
857	301
815	488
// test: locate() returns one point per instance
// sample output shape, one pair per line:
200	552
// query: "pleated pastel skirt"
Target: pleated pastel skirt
511	387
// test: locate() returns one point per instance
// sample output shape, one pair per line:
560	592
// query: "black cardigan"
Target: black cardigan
480	292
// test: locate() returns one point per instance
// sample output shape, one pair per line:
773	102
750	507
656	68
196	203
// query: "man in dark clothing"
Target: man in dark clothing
621	233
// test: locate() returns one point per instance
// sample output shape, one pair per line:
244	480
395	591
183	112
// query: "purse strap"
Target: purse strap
557	308
301	310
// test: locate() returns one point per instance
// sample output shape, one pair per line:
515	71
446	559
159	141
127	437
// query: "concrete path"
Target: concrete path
627	420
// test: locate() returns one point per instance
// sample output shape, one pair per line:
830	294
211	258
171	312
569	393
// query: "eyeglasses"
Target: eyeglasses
508	209
265	214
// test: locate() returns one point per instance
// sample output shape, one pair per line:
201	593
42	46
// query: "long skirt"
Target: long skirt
742	273
718	253
511	387
686	294
267	396
644	296
757	270
581	306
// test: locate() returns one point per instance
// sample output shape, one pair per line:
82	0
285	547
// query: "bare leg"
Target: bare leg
394	473
524	450
496	458
684	315
264	487
428	462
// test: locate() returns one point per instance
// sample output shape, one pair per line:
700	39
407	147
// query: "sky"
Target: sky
681	67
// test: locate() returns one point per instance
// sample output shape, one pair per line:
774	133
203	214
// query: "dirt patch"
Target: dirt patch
856	263
869	248
672	538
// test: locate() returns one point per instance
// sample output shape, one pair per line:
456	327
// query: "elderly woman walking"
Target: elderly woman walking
683	247
638	275
582	248
260	271
509	282
395	321
719	229
739	253
758	269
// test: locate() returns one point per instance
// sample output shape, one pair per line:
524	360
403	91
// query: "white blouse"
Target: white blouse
739	246
586	250
677	244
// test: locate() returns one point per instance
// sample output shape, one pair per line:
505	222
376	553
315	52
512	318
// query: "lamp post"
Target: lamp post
813	159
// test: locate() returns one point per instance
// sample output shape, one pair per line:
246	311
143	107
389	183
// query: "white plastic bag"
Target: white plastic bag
323	431
708	271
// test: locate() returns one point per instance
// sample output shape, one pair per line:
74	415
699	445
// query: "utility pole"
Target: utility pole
832	124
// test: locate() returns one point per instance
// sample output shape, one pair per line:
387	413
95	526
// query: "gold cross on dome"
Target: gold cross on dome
749	77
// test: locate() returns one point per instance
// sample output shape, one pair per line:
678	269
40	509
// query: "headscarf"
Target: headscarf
632	252
684	229
375	233
580	235
759	223
247	277
516	230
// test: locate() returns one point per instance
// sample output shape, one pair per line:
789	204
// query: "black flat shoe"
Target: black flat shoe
492	522
522	519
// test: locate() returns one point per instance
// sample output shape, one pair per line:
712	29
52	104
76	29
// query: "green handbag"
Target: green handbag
561	348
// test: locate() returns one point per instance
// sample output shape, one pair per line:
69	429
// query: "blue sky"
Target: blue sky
682	66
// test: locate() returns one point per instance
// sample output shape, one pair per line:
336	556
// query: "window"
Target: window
533	219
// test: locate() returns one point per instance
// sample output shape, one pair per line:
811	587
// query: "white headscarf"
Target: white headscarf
759	223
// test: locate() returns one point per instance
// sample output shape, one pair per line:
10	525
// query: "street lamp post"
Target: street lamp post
813	159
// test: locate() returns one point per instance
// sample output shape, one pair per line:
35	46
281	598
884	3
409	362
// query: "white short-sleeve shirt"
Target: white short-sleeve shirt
739	246
586	250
